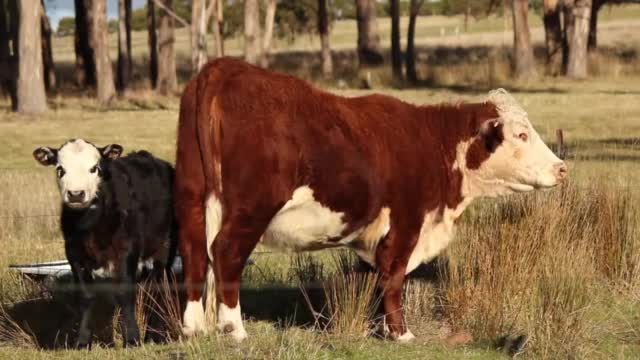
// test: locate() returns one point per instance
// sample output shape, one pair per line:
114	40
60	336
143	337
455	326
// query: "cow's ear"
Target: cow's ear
46	156
111	151
491	132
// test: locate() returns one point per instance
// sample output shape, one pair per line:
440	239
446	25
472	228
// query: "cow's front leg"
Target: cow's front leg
84	280
392	257
125	295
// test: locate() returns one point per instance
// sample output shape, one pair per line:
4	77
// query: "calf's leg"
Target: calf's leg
125	295
84	279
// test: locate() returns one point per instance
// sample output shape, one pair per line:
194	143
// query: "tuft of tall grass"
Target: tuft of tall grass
530	264
351	303
157	311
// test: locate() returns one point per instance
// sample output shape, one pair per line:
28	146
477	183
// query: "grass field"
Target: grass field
562	267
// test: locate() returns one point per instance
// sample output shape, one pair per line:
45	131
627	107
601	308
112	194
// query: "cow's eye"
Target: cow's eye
524	137
94	169
60	172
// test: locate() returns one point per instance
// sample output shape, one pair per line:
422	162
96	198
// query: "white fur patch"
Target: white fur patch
305	224
230	322
435	234
76	158
213	222
193	319
368	240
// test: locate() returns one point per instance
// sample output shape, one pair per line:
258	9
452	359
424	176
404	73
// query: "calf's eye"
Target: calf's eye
60	172
523	136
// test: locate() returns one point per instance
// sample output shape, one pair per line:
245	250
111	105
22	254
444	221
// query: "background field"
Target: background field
562	267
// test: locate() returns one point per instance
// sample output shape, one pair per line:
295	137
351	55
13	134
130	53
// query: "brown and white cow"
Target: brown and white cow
267	157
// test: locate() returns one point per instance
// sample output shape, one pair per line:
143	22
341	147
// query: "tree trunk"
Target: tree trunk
124	44
153	43
47	52
85	72
8	49
100	43
323	30
198	35
577	65
167	79
252	45
396	55
268	32
368	40
568	26
216	27
553	36
593	24
410	57
524	64
467	14
31	93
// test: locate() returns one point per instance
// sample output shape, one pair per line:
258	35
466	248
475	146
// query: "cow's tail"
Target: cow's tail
208	127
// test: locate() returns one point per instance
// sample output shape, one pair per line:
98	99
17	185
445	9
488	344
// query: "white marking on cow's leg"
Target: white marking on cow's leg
230	322
210	301
406	337
213	221
193	319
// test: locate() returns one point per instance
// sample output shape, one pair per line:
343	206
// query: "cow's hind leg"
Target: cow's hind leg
192	246
238	236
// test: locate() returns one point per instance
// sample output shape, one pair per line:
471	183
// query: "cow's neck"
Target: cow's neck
454	127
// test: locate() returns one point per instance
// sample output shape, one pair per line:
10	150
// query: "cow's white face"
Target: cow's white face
78	168
522	161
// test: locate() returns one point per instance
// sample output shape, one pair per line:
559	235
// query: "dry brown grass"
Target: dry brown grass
12	334
534	265
158	311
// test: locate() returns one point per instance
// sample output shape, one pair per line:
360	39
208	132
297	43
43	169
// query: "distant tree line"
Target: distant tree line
27	68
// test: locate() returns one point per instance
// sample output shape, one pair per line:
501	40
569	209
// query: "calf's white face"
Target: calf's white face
522	162
78	168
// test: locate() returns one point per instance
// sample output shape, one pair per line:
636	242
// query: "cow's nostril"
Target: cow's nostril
75	196
562	170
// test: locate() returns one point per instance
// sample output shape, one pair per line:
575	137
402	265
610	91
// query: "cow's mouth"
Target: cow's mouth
78	204
519	187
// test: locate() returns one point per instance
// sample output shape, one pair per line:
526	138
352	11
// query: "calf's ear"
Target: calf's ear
491	132
46	156
111	151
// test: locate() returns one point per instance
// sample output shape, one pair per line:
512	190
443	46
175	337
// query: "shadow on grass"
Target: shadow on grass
53	318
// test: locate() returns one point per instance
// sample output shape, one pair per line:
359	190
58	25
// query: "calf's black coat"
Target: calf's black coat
131	220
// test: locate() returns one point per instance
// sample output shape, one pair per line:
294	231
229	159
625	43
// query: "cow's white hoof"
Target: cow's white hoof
189	331
406	337
194	320
236	333
230	322
239	335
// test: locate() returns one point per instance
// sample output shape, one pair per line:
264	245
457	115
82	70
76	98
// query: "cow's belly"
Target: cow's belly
305	224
